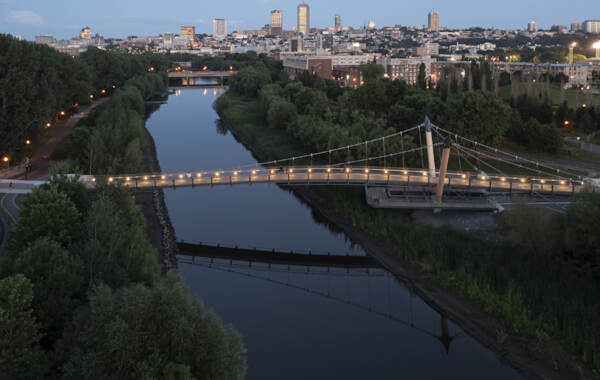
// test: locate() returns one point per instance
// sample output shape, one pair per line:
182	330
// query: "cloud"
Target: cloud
24	18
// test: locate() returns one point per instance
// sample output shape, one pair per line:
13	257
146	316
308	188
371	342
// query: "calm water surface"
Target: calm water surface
298	322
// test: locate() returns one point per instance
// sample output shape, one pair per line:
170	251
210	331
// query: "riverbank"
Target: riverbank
159	230
532	358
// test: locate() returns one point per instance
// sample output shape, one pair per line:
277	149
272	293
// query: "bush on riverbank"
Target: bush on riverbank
98	307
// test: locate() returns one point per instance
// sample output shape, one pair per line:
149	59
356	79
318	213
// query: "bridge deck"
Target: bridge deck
457	181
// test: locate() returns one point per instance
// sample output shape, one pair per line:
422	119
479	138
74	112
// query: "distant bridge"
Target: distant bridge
188	77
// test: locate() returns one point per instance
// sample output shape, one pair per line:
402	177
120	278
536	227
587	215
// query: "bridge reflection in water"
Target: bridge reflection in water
307	271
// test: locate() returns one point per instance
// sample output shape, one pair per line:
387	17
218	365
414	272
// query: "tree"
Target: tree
371	72
58	284
581	235
281	113
533	229
421	78
46	213
145	332
20	355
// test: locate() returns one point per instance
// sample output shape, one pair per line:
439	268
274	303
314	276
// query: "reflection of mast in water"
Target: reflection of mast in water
205	92
445	338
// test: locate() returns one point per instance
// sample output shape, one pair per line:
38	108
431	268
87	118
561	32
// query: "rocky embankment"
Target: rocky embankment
160	231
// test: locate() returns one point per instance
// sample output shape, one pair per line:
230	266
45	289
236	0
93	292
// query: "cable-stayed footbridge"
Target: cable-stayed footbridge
398	170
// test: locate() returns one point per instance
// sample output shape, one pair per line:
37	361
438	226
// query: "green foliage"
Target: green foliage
47	213
581	235
249	80
533	229
371	72
281	112
140	332
20	355
532	134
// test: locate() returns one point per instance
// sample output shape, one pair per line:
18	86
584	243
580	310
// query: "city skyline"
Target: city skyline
138	17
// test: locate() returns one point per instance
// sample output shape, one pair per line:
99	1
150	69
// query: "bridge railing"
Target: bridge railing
343	175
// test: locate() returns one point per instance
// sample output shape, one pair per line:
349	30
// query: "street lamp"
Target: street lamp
27	142
597	47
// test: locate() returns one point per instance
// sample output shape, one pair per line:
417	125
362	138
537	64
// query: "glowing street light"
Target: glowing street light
48	125
28	142
62	113
5	159
91	96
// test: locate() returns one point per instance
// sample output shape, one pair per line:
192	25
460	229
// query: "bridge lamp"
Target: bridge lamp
180	176
522	180
272	171
503	179
27	142
91	96
328	170
310	170
291	170
543	181
93	179
405	172
582	183
48	125
366	170
386	171
424	174
347	170
5	159
110	179
235	173
253	171
62	113
205	68
216	174
145	178
483	177
464	176
128	179
562	182
199	175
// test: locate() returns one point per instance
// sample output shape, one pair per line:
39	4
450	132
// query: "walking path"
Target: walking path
40	170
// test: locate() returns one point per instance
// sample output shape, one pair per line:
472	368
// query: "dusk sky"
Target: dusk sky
112	18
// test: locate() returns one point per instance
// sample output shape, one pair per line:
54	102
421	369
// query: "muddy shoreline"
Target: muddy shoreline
533	360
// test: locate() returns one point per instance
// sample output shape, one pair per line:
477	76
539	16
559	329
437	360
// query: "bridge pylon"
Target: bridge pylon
429	141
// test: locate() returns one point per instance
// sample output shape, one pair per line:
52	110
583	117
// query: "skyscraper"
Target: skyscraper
303	18
219	28
86	33
276	22
532	27
433	21
338	23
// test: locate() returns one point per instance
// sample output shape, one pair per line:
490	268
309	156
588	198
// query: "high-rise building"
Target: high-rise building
532	27
338	23
576	27
276	26
219	28
303	18
189	31
86	33
433	21
296	44
591	26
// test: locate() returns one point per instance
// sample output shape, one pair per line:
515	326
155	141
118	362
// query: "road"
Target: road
41	169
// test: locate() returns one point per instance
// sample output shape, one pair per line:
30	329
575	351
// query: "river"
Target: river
297	322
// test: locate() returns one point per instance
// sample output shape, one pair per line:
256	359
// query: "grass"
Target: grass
566	152
574	98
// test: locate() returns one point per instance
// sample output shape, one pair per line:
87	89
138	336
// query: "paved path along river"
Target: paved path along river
297	322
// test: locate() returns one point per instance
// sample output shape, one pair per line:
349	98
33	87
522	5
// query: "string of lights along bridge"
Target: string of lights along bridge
481	167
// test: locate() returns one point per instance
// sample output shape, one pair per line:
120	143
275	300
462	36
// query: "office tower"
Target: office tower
576	27
219	28
45	39
532	27
303	18
276	26
433	21
296	44
338	23
189	31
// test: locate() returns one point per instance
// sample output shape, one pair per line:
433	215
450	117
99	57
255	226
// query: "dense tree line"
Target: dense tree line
112	138
37	82
81	297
